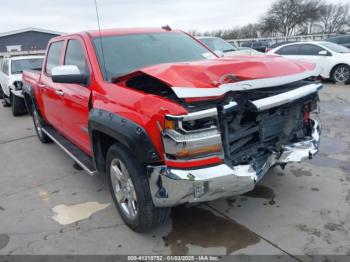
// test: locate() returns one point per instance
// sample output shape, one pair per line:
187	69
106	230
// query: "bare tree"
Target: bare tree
334	17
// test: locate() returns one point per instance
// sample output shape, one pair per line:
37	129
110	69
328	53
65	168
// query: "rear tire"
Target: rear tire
17	105
341	74
130	191
38	124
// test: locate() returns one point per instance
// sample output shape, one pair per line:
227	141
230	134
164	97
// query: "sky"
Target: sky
79	15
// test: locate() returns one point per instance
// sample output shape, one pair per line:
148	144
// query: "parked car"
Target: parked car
343	40
223	48
258	45
11	80
167	124
333	59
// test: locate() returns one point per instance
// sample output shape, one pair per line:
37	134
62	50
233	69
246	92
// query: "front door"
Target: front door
75	113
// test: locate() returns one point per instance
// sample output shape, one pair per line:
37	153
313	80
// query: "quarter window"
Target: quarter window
53	56
75	56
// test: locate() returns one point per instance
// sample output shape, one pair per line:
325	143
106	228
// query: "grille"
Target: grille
250	137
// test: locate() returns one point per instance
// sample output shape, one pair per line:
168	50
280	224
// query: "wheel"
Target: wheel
130	191
341	74
38	124
17	105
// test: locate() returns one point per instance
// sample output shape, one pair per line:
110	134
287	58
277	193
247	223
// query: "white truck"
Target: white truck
11	84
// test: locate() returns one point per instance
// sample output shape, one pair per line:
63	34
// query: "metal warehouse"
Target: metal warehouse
27	40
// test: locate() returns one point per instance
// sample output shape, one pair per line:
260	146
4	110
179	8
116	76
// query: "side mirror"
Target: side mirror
323	53
68	74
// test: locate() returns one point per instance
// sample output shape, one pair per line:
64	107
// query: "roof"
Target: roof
26	57
127	31
28	29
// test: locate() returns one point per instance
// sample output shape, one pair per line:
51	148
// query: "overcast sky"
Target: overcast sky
79	15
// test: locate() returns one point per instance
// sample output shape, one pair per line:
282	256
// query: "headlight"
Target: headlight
192	136
18	85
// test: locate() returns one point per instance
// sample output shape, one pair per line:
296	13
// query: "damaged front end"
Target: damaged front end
246	134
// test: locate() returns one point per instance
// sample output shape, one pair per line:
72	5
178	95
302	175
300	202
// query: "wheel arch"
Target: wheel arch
106	128
335	66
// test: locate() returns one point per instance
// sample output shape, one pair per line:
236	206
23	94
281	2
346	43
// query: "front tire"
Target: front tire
130	191
341	74
38	124
17	105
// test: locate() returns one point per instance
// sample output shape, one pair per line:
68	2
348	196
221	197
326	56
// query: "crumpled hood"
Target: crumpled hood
207	73
215	77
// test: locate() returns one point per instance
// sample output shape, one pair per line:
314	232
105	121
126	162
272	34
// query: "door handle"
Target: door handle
59	92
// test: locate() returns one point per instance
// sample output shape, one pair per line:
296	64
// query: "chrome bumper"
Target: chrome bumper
171	187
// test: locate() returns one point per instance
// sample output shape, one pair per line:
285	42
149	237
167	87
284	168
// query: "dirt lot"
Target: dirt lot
302	210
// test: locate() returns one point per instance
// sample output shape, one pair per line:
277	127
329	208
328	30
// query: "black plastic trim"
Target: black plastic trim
125	131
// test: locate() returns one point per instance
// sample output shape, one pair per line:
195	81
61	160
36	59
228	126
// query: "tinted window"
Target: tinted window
306	49
75	56
126	53
218	44
17	66
289	50
53	56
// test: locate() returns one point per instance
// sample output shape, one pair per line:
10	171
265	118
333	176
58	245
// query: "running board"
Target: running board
82	159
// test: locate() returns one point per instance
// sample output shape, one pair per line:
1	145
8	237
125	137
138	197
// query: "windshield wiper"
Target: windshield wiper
229	50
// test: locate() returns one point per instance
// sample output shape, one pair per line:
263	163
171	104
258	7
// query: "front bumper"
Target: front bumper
172	187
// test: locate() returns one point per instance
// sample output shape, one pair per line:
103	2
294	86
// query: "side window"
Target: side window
53	56
75	56
310	49
288	50
5	67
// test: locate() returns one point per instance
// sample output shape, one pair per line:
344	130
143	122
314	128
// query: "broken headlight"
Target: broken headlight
192	136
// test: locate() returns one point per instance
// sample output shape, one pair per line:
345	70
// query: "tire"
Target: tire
341	74
38	124
1	93
17	105
130	191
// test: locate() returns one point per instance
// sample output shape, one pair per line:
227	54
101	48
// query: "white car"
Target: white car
333	59
11	80
223	48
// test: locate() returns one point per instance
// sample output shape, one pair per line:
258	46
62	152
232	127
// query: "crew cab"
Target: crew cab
11	80
166	120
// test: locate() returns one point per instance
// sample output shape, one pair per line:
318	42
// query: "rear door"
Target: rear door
76	97
50	91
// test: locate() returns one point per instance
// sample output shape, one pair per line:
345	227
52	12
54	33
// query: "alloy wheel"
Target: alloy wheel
342	74
123	188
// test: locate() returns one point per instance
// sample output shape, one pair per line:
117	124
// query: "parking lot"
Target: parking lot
49	206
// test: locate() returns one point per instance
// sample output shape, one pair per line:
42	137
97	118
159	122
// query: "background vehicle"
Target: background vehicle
343	40
333	59
167	124
11	80
258	45
223	48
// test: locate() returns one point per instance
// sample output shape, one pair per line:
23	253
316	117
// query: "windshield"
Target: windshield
218	44
126	53
335	47
17	66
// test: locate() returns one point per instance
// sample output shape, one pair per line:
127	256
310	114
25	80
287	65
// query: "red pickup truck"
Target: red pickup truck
166	120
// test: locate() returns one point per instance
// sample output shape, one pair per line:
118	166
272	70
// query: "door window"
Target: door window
53	56
5	67
289	50
307	49
75	56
